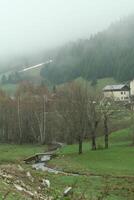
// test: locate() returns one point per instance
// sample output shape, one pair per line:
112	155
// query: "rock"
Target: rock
28	174
18	187
67	191
21	189
21	183
36	193
39	166
45	158
29	192
6	176
39	188
20	168
30	177
46	182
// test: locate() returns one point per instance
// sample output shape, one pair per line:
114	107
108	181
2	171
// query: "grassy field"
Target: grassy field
112	169
34	76
117	160
107	174
16	153
101	83
9	88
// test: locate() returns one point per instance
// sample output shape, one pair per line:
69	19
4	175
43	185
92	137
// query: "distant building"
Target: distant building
117	92
132	88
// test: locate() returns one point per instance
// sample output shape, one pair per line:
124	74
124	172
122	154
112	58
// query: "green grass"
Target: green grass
117	189
34	75
16	153
107	172
9	88
101	83
105	81
12	195
118	160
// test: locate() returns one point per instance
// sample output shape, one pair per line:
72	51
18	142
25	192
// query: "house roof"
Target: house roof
115	87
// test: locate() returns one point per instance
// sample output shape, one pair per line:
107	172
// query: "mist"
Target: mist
30	26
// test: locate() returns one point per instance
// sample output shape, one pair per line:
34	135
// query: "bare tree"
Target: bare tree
93	115
107	107
72	107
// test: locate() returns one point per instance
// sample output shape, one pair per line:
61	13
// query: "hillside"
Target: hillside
106	173
107	54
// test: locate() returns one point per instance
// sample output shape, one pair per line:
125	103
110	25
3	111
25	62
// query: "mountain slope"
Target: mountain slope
107	54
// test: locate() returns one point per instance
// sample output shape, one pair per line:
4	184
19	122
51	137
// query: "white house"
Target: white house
132	88
117	92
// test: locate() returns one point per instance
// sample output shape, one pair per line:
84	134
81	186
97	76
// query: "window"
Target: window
121	92
124	92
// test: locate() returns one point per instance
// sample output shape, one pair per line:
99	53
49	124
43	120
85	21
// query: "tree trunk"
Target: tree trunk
106	138
80	145
93	136
93	141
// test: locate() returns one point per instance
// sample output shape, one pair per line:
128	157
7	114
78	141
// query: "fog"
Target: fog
29	26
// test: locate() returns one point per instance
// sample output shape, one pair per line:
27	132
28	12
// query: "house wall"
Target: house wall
132	88
117	95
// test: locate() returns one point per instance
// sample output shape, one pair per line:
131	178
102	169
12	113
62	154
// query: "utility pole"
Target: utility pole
19	119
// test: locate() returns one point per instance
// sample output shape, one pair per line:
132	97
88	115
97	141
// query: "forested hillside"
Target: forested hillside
107	54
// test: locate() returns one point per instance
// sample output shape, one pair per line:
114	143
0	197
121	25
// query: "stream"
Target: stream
42	163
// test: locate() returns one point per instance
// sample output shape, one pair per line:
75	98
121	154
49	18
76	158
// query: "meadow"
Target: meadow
102	174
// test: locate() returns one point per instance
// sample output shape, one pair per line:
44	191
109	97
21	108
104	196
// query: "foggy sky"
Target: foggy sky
28	26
